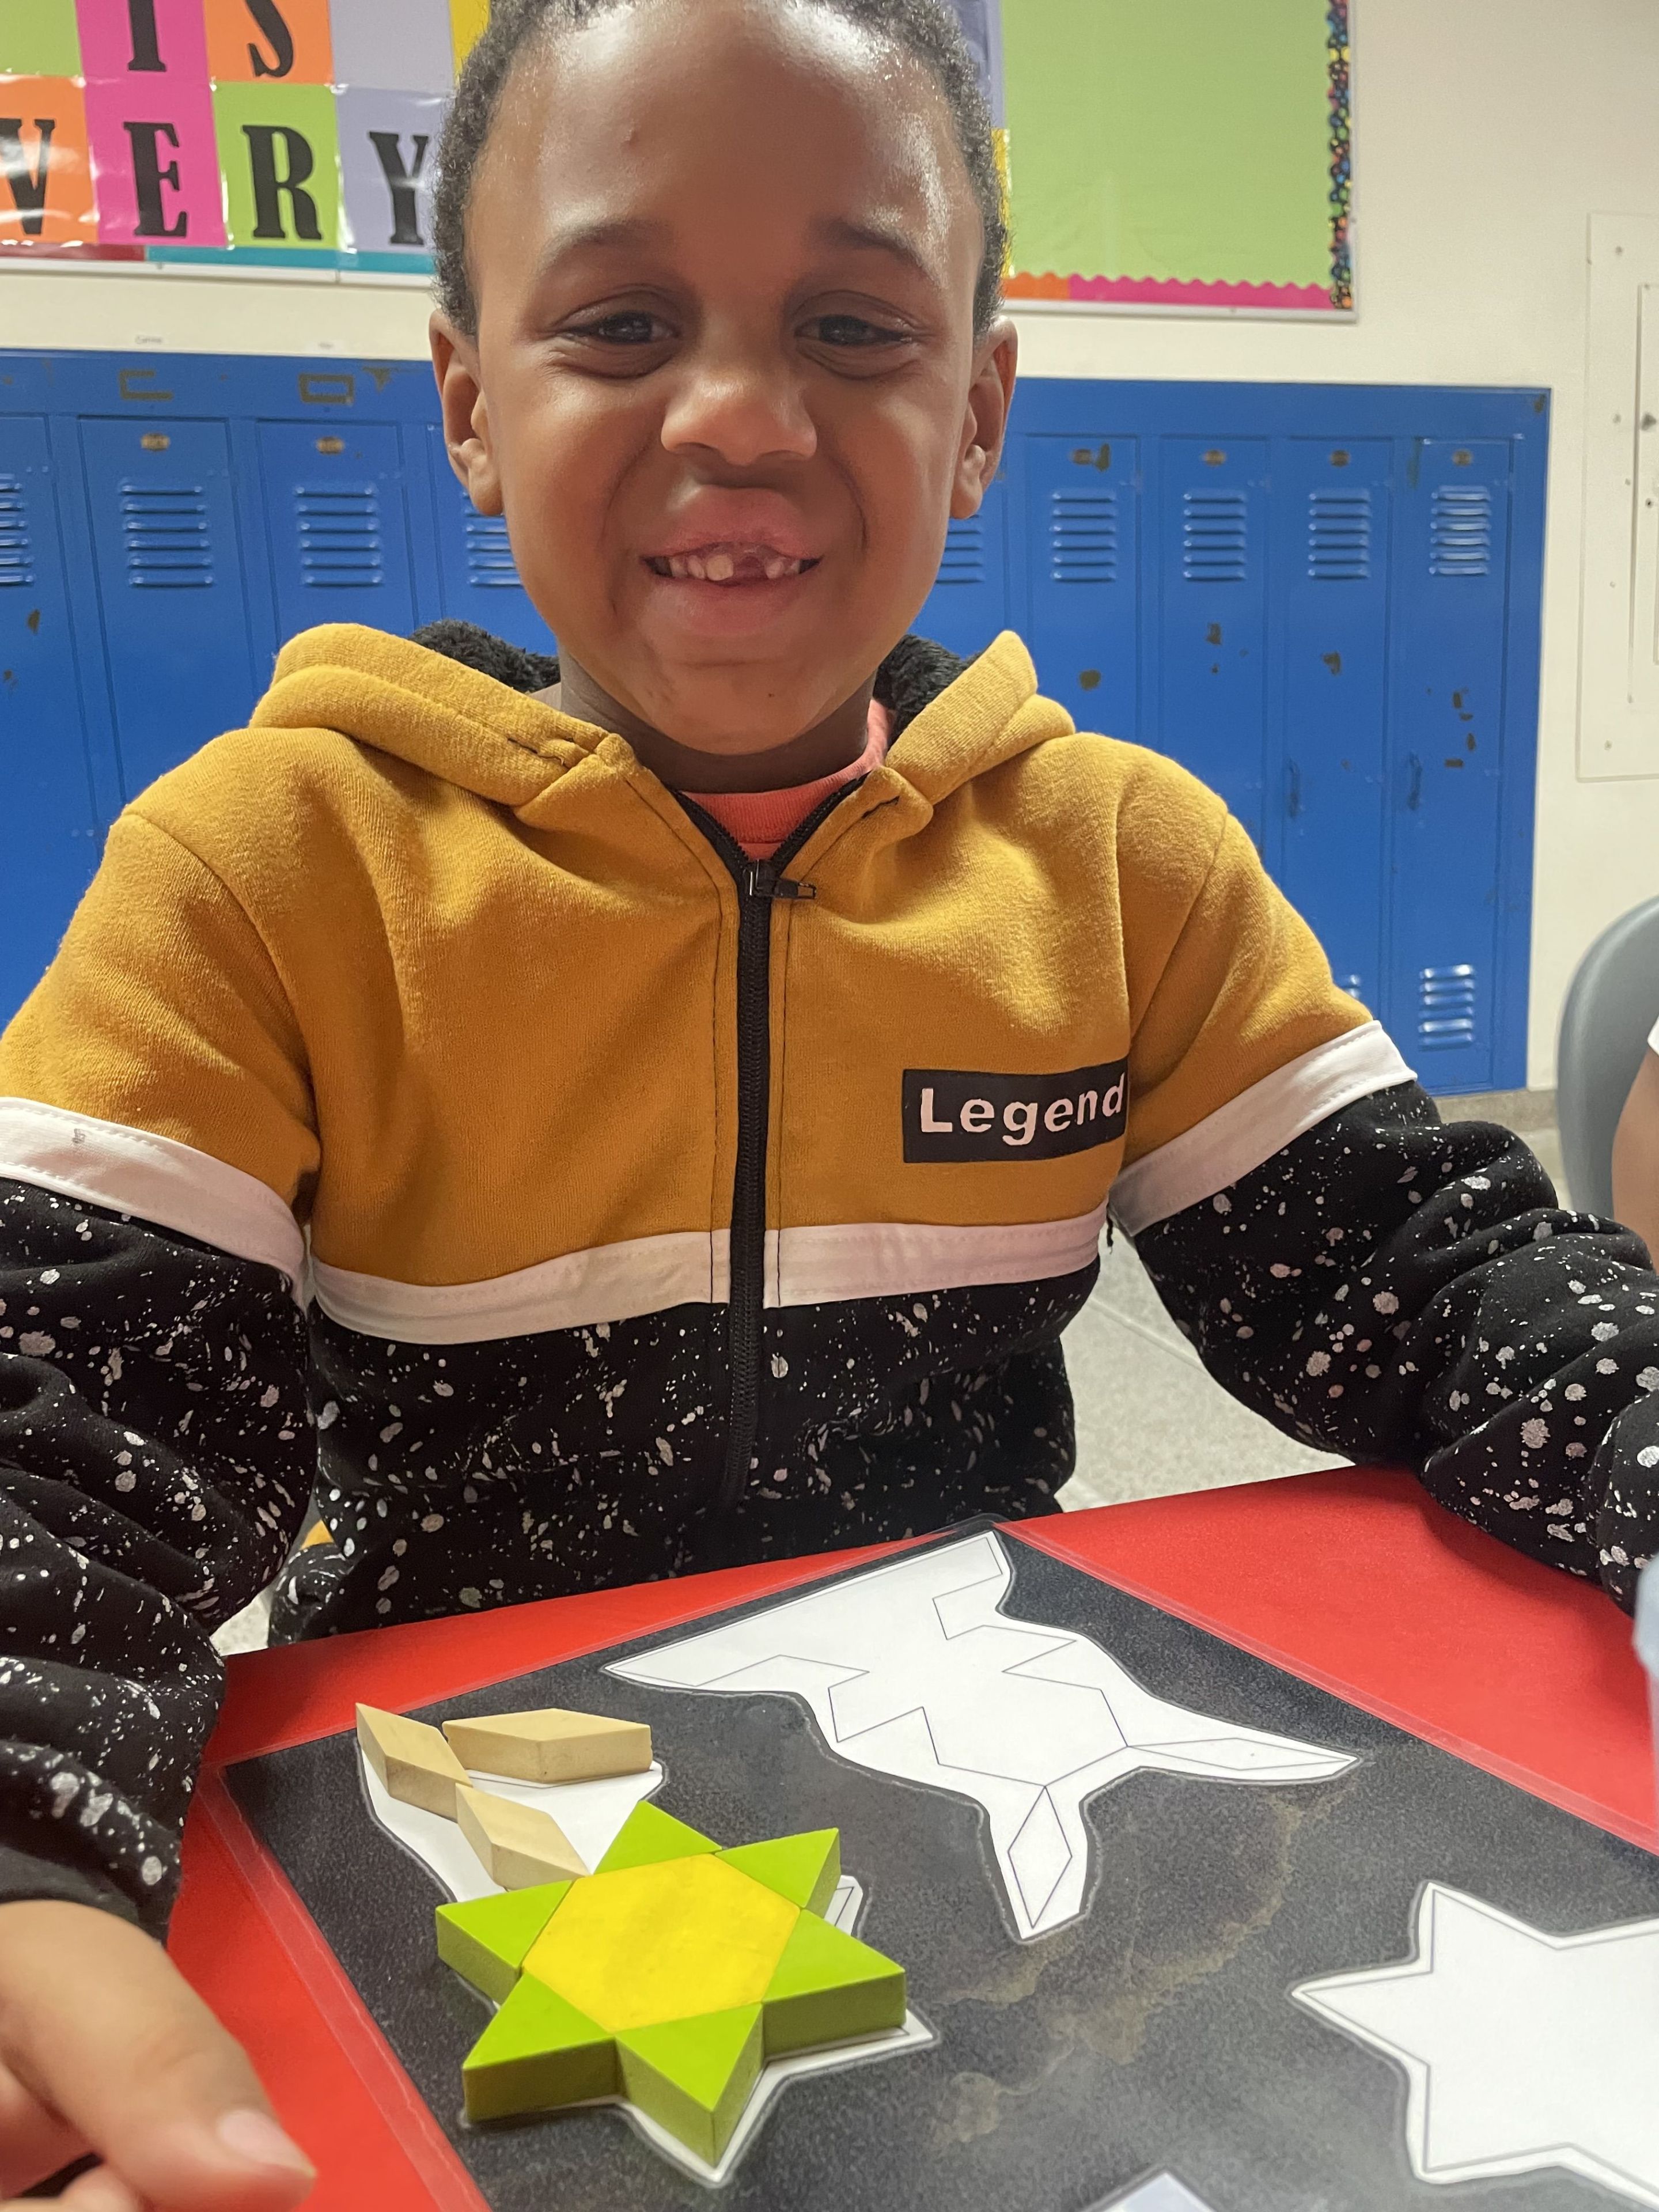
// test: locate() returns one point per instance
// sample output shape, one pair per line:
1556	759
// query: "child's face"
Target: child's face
724	259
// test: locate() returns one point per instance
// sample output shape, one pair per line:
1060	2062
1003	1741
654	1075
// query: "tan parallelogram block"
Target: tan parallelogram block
518	1846
414	1762
551	1746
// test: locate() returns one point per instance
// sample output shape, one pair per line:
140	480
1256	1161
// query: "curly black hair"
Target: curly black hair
924	28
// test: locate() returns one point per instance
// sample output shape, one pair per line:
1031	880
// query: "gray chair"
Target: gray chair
1611	1006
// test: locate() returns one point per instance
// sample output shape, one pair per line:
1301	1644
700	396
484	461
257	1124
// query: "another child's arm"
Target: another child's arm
1636	1154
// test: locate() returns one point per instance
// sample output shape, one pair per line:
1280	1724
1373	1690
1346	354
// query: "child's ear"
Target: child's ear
986	422
465	412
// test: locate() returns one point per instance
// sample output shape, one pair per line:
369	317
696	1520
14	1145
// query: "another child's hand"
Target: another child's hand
106	2048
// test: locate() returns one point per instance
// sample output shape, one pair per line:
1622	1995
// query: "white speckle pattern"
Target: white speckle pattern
1495	1305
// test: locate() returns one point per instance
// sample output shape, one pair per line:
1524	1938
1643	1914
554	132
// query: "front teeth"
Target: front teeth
718	564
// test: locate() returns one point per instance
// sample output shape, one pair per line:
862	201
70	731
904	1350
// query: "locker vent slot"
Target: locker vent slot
963	561
488	557
15	567
339	533
165	530
1338	537
1215	537
1460	530
1446	1005
1082	537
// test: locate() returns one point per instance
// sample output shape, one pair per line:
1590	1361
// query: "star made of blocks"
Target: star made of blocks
669	1976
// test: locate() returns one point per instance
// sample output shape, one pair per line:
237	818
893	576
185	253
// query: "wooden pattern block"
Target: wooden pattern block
690	1966
550	1745
829	1987
695	2076
413	1761
804	1868
536	2053
485	1938
520	1846
667	1942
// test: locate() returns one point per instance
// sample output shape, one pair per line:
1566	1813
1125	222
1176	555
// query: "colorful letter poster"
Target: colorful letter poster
1185	153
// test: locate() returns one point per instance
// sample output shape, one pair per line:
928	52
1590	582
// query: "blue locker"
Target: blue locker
480	583
968	602
177	646
337	521
1213	616
52	835
1082	565
1332	505
1322	598
1446	757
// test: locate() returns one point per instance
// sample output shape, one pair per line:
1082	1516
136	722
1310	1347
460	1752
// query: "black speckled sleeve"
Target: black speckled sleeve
155	1457
1396	1288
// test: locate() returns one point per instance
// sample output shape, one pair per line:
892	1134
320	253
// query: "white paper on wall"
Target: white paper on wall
913	1671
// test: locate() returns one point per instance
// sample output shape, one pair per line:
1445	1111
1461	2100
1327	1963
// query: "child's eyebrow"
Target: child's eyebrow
875	237
597	235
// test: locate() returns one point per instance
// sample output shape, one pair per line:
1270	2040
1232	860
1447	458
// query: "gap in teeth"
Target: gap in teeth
718	564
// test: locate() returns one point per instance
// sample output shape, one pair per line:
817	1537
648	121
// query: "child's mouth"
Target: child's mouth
726	561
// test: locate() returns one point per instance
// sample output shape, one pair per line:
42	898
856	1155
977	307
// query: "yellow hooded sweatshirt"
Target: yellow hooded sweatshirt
634	1187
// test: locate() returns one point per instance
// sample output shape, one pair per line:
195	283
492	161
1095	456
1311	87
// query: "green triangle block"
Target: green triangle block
648	1836
538	2051
486	1938
804	1868
828	1988
695	2076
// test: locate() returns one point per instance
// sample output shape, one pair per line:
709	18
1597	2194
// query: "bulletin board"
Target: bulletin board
1185	153
296	132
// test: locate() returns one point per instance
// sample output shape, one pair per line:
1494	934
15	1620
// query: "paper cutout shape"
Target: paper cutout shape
149	45
1162	2193
593	1815
388	165
40	40
288	44
668	1976
1522	2050
590	1814
45	171
912	1670
156	160
401	45
280	156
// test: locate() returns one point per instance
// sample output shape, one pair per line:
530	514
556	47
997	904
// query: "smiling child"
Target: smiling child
598	1119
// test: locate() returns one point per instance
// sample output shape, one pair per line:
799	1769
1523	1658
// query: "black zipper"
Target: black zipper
759	883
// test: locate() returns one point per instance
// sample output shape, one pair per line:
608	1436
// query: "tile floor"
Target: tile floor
1149	1418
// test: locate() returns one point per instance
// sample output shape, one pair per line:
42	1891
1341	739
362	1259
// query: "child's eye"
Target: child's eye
628	326
853	331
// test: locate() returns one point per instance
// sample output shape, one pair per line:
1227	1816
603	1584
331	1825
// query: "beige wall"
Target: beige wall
1487	132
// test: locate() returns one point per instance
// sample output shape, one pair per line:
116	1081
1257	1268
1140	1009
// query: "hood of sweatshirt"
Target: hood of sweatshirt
457	702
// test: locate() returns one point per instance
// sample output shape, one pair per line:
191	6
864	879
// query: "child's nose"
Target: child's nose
744	409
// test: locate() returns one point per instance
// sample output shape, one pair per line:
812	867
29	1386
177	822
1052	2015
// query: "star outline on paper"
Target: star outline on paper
1389	2009
749	1918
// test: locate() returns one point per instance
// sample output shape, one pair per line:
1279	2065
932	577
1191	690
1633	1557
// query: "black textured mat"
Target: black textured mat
1155	2033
